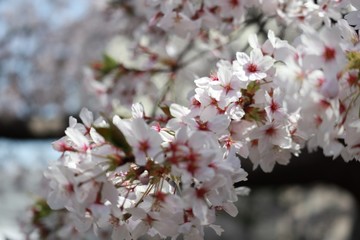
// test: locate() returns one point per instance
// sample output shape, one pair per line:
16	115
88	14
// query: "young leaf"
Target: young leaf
113	135
109	64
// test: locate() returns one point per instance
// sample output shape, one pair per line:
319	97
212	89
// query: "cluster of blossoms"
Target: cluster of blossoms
168	174
130	177
160	34
190	19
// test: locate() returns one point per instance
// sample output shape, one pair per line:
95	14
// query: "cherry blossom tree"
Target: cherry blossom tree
166	168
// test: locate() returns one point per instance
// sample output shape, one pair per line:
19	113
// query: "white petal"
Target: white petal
200	210
87	117
219	230
231	209
76	136
178	111
110	193
242	58
137	110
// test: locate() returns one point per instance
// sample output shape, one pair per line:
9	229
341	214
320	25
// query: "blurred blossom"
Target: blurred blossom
42	53
21	166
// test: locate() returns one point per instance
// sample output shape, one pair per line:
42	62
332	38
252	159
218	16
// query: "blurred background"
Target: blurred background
44	47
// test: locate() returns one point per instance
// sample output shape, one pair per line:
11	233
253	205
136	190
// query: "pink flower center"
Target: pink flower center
352	79
234	3
214	77
69	188
318	120
274	106
252	68
202	126
329	54
228	88
271	131
160	196
200	193
192	168
144	146
196	103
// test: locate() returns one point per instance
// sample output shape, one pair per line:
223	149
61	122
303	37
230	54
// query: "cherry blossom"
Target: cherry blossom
254	66
144	140
169	173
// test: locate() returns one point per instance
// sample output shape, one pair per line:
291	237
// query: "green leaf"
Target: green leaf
354	60
41	209
109	64
255	114
253	87
113	135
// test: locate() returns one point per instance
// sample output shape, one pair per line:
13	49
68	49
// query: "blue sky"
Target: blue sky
47	11
30	154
